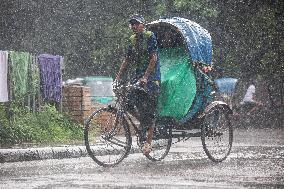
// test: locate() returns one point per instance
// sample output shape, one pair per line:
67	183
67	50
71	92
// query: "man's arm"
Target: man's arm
151	67
152	49
122	68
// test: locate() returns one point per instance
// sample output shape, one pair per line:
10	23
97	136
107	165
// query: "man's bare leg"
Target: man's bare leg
150	132
148	147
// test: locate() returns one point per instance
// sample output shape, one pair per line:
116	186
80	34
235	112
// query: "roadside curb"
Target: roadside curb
30	154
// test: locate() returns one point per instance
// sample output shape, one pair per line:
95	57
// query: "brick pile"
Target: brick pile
76	102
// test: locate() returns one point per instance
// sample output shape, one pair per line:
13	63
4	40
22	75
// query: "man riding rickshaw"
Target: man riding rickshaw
169	92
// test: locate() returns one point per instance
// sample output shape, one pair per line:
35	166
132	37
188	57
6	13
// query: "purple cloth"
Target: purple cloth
50	77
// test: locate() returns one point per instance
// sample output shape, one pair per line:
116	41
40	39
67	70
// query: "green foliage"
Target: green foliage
246	39
247	36
91	34
161	9
199	7
108	51
47	125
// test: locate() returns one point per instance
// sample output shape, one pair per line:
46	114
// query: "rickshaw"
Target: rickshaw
186	106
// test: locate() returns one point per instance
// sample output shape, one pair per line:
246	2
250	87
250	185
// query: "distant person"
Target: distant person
249	102
142	55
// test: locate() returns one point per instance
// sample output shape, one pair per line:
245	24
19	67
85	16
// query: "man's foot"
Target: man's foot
147	148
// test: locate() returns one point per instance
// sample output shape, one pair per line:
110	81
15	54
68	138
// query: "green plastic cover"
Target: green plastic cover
178	83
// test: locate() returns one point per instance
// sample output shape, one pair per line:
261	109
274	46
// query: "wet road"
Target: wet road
256	161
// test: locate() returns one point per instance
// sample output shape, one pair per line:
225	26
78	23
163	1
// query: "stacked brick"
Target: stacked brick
76	102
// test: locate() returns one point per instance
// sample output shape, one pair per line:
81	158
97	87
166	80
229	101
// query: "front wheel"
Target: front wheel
107	137
217	134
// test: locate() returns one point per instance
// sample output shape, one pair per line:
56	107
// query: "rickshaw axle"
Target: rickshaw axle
185	134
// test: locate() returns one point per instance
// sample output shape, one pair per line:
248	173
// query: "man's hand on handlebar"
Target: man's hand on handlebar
143	81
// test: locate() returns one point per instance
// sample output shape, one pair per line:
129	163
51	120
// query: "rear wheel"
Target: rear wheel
217	134
161	143
107	137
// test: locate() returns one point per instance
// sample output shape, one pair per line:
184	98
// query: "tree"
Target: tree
247	36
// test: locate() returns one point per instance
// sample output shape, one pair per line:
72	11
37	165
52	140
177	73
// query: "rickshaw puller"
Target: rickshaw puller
142	54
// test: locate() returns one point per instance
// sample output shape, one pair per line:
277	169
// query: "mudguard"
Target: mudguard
216	104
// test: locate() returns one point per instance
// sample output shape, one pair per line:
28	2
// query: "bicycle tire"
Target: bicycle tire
217	134
107	137
162	141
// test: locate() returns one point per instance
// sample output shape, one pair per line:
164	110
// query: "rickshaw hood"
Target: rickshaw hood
198	40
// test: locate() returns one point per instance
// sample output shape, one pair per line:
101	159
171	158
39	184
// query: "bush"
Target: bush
45	126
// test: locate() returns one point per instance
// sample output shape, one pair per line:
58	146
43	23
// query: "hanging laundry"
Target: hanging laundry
19	73
34	75
50	77
3	76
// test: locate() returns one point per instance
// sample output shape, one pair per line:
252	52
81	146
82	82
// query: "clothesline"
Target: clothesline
22	74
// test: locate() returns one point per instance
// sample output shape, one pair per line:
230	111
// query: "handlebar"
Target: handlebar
119	89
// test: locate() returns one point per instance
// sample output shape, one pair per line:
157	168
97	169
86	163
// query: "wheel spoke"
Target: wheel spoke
217	134
116	141
107	137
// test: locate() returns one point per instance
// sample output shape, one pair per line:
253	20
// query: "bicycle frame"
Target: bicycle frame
122	92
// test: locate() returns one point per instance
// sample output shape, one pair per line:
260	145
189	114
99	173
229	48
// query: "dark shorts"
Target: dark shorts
146	105
247	106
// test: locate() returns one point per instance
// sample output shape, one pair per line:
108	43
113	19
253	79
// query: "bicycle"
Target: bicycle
253	115
109	131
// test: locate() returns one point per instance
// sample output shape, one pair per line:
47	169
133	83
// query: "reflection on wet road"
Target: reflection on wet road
256	161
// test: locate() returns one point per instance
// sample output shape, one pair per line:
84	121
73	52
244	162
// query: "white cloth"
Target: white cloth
249	94
3	76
